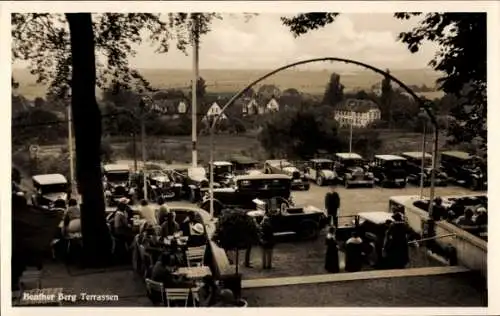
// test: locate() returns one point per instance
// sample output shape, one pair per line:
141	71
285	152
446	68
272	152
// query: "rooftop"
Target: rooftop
389	157
348	156
116	167
321	160
47	179
457	154
222	163
416	154
356	105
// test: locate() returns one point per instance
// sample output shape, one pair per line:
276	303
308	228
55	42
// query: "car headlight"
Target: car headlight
348	175
369	175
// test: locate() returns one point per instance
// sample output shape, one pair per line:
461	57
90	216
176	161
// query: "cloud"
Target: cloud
263	42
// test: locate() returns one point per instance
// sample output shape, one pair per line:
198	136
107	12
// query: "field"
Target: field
224	81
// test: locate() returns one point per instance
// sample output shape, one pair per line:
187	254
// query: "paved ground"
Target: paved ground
428	291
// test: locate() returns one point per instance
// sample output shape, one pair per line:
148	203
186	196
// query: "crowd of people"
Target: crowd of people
391	248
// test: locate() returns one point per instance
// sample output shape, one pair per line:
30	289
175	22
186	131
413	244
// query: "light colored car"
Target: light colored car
282	166
51	190
321	171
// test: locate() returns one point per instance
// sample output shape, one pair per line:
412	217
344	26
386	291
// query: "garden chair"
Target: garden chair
178	295
195	255
155	287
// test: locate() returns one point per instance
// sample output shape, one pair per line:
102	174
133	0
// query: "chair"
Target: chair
71	238
178	294
30	276
156	287
195	255
195	295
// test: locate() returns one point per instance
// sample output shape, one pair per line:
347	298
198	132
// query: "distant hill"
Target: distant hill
223	80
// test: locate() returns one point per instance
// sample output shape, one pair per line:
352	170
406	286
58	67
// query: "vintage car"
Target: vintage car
195	183
244	189
414	169
389	170
304	222
116	182
372	227
162	184
321	171
351	170
465	169
245	165
51	191
281	166
223	172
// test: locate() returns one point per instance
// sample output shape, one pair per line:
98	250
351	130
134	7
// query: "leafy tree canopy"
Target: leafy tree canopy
461	58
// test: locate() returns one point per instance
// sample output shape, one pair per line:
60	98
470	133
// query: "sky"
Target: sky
263	43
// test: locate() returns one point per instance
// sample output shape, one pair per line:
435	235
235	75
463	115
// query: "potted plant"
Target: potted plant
235	231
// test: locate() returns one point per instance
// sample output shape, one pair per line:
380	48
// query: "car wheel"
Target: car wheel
320	181
346	184
372	256
308	230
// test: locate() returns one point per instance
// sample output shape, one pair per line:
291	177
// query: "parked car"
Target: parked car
163	185
321	171
372	227
245	165
465	169
389	170
116	182
414	169
351	170
244	189
195	183
223	172
51	190
305	222
281	166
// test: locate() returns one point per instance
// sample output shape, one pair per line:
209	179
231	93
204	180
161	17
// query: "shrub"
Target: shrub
106	151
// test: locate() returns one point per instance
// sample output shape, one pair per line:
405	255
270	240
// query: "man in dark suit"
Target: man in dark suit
332	204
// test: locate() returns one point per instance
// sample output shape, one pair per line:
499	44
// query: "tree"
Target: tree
461	38
39	102
462	59
268	91
299	133
236	230
385	100
201	88
66	60
334	92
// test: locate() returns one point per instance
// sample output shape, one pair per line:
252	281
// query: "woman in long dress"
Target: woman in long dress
332	252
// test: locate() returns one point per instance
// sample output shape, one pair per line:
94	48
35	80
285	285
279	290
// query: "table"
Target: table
194	273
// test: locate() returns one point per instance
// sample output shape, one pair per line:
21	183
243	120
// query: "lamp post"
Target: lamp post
422	104
70	150
194	89
422	167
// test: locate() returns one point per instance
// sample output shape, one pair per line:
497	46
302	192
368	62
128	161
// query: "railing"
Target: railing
472	251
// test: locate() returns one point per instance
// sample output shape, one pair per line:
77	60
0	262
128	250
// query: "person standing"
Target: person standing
332	204
353	253
395	251
332	252
267	243
147	212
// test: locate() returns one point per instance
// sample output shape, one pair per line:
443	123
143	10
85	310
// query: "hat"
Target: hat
123	200
197	229
481	210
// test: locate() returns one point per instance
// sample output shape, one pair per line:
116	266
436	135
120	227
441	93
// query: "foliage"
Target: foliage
386	99
304	22
106	151
298	133
334	92
462	59
28	126
235	230
461	38
156	151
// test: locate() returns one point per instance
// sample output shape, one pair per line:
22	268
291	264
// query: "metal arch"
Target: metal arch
344	60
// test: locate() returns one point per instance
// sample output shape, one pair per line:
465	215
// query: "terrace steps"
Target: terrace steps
352	276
